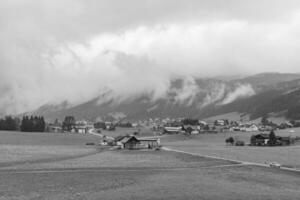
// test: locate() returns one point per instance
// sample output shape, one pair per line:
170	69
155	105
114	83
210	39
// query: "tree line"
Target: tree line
33	124
9	123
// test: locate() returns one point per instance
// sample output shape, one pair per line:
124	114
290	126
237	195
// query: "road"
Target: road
93	132
237	161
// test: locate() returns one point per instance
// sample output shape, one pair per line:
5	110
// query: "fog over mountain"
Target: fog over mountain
76	51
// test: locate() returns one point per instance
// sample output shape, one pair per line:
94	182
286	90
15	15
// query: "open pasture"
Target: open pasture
214	145
77	171
22	147
45	139
235	182
120	159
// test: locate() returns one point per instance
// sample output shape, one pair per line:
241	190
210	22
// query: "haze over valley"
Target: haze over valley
68	53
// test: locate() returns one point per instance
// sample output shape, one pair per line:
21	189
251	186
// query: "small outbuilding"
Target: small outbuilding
150	143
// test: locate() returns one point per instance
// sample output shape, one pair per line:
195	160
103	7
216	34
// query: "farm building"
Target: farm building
150	143
55	127
172	130
262	139
284	140
52	128
81	130
130	143
249	127
220	122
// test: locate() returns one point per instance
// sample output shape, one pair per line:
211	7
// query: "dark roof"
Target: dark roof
262	136
129	139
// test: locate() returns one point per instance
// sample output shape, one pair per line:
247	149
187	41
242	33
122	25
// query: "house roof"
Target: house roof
148	139
129	139
169	128
262	135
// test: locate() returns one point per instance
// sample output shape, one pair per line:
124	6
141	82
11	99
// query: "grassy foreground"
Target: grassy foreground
71	170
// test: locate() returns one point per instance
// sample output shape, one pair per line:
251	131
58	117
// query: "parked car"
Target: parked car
274	164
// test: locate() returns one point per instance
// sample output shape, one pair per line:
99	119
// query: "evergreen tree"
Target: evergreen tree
2	124
272	138
33	124
9	123
68	123
43	124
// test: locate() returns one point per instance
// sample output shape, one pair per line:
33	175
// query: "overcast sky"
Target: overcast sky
56	50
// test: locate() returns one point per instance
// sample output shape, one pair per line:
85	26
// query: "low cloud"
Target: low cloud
240	92
215	94
48	61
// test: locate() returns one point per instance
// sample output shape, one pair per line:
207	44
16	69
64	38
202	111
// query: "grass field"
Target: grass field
20	147
60	166
238	182
214	145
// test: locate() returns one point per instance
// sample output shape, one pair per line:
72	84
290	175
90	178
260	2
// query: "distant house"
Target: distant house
284	141
110	126
235	128
54	128
130	143
249	128
265	128
202	123
172	130
82	126
195	132
133	143
219	122
81	130
149	143
262	139
124	123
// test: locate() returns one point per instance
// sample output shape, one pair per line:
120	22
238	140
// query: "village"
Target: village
129	136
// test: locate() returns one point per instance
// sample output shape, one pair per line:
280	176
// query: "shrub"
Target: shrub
240	143
229	140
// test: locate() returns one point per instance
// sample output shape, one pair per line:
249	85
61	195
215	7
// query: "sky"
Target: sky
75	50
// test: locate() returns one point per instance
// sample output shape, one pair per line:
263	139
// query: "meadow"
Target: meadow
23	147
235	182
61	166
214	145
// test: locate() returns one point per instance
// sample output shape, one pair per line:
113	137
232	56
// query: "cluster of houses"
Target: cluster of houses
206	127
215	126
170	126
81	126
263	139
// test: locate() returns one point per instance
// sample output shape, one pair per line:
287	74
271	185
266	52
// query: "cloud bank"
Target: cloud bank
75	51
240	92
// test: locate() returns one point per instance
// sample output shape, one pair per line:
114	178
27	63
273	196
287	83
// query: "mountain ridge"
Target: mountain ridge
197	98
